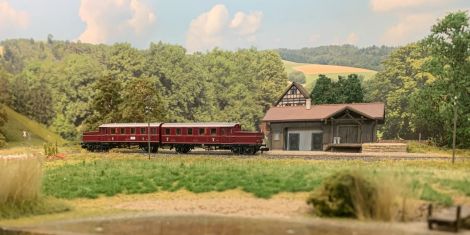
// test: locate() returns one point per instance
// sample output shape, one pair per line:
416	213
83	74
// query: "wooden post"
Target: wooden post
148	139
457	221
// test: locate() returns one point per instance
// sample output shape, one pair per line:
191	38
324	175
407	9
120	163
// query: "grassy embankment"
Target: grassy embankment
417	147
312	71
39	134
95	175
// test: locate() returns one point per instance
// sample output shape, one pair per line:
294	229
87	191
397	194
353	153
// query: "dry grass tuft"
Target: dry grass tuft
20	191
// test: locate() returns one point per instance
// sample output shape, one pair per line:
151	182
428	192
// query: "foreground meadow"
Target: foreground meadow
106	184
94	175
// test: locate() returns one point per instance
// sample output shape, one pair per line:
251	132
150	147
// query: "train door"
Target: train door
214	137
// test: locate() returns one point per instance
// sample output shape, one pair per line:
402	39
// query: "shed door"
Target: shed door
348	134
317	141
294	139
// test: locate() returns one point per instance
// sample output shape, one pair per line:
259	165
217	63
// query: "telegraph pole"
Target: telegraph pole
454	132
148	138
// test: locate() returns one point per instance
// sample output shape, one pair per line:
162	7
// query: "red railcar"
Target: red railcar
183	137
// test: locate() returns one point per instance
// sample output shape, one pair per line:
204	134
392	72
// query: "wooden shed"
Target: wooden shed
293	123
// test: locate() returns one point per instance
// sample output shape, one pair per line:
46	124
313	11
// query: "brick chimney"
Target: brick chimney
308	103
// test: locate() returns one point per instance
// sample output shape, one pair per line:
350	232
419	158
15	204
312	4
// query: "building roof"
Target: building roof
323	111
134	124
201	124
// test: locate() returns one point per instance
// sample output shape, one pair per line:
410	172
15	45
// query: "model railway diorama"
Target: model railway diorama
183	137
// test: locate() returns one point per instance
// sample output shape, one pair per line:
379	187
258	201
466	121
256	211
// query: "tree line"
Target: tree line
345	55
72	87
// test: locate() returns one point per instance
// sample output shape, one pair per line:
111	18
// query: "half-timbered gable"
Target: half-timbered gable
294	95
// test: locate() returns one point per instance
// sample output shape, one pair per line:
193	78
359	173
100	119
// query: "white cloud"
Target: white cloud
113	20
11	18
410	28
352	39
215	29
388	5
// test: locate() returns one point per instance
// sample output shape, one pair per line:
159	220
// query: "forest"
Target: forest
73	86
345	55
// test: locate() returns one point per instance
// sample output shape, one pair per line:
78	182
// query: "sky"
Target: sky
201	25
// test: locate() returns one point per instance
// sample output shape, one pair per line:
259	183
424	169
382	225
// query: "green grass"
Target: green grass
13	131
312	78
91	178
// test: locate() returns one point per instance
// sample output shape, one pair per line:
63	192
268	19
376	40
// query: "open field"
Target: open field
17	123
312	71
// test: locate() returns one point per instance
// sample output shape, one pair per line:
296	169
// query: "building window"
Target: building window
142	130
190	131
276	136
132	130
167	131
123	131
113	131
153	131
178	131
213	131
201	131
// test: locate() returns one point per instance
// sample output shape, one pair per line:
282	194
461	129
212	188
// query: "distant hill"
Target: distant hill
13	130
312	71
345	55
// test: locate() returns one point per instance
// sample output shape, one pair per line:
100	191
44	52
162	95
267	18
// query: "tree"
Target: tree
297	76
405	72
449	44
106	101
323	92
142	101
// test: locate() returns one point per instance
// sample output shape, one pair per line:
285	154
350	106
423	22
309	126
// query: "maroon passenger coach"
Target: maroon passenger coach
183	137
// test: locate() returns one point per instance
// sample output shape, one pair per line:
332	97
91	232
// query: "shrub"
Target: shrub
297	76
3	141
351	194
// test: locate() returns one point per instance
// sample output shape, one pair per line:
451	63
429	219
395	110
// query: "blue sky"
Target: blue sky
202	25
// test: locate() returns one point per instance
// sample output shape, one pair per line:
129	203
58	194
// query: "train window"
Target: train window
113	131
223	131
154	130
167	131
201	131
132	130
142	130
123	131
213	131
190	131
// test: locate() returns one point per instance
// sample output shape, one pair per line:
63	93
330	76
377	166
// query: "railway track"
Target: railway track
315	156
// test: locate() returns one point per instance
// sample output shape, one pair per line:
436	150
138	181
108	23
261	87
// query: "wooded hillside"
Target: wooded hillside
72	87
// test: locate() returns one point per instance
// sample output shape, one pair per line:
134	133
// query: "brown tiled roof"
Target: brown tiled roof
323	111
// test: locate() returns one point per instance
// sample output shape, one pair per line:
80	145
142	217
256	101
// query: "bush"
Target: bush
350	194
297	76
